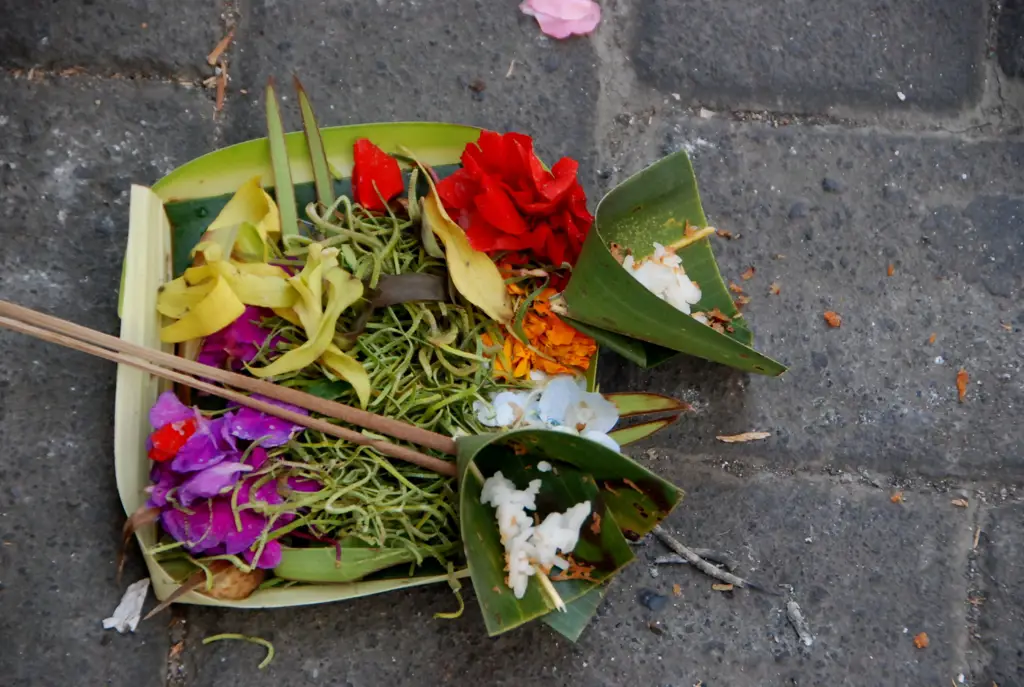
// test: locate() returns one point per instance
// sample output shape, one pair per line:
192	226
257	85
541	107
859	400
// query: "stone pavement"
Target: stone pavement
833	137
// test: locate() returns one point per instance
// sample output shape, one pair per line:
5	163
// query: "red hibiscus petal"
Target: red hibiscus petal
374	175
511	242
498	210
457	190
483	237
564	179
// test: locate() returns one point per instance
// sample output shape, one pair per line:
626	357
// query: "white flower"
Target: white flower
663	275
561	403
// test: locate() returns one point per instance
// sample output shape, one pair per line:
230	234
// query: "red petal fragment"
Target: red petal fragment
498	210
375	174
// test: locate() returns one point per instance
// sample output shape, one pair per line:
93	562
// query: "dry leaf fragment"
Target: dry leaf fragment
677	590
961	383
222	84
722	587
959	503
892	270
718	315
775	289
735	288
219	49
921	640
741	438
724	233
741	301
897	497
749	274
176	650
1007	327
931	339
833	318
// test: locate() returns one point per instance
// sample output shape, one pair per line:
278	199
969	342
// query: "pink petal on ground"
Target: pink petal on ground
563	18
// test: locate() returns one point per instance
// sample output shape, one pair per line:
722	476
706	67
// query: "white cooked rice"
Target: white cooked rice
530	548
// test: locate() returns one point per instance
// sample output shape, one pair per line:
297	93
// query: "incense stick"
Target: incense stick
384	447
345	413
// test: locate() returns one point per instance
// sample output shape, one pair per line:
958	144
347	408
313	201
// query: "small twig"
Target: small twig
219	49
716	557
796	618
702	565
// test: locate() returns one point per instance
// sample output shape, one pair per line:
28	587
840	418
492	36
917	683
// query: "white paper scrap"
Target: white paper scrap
128	613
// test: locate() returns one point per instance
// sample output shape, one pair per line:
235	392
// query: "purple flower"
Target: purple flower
210	527
163	479
253	425
239	342
211	481
211	443
168	409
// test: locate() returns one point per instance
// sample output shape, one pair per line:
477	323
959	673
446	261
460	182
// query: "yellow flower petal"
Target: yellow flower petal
176	297
349	369
343	290
219	308
474	274
252	213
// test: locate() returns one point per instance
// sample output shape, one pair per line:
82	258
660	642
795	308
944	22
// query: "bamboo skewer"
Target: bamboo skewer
70	335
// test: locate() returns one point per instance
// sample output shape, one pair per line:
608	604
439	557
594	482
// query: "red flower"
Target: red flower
168	440
374	168
506	201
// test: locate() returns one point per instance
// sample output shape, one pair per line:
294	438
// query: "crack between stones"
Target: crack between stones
230	16
175	674
46	74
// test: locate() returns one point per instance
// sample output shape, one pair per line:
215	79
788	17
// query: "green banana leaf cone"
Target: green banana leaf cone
607	303
626	500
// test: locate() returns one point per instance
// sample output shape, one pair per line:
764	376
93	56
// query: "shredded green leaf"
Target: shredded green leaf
245	638
456	586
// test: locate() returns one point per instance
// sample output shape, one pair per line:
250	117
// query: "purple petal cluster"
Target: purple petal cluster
195	489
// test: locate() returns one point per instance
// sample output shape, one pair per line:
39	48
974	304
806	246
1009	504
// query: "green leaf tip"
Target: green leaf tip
322	177
283	189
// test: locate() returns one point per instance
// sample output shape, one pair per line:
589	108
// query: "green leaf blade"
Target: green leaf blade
577	615
630	403
625	436
322	177
283	191
321	563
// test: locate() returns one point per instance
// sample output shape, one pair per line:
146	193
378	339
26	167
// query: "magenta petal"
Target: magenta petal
253	425
198	453
256	458
193	530
168	409
211	481
270	557
304	484
163	479
238	540
208	446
